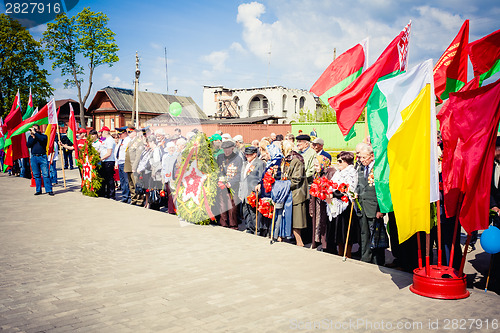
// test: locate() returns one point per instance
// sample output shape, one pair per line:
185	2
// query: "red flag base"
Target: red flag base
442	283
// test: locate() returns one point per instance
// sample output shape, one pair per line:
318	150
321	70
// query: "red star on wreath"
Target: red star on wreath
87	169
192	181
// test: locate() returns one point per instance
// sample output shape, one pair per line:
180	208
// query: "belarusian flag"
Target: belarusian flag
71	134
450	72
38	118
349	103
2	140
411	149
17	145
484	54
341	72
29	109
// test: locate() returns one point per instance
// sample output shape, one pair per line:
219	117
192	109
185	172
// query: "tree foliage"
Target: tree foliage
21	59
72	42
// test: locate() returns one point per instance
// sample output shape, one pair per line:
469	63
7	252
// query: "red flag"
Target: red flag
484	54
450	72
72	129
18	145
452	161
341	72
471	117
349	103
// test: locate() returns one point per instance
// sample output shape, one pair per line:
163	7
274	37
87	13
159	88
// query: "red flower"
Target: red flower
266	207
221	185
252	199
268	181
162	193
343	187
335	186
345	199
321	188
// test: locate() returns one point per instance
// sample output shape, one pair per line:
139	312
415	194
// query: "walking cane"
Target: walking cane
272	228
256	212
348	231
489	271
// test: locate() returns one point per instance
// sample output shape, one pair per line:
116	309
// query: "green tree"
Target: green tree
21	59
69	39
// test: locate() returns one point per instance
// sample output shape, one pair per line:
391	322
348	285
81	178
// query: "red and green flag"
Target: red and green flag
341	72
485	56
350	102
450	71
71	134
17	147
51	129
29	109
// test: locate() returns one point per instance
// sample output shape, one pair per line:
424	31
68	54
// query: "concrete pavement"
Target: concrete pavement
71	263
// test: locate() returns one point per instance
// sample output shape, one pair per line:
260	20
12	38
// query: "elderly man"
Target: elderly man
229	180
252	172
370	211
132	157
309	155
318	145
120	151
240	146
108	163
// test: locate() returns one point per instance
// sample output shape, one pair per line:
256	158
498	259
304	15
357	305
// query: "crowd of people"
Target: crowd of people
143	164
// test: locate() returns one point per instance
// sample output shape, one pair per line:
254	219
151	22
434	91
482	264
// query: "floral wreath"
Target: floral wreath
89	162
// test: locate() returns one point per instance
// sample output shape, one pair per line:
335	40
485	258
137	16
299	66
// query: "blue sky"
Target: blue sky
243	44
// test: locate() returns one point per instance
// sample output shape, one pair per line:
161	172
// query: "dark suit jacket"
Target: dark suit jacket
495	192
367	195
248	182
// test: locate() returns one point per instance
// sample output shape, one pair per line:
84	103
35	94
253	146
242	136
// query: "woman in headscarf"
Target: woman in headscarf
317	207
272	156
292	168
339	211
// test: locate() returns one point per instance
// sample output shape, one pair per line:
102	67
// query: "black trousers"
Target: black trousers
108	184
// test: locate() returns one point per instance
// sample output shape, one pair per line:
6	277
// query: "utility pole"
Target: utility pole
135	107
334	53
166	68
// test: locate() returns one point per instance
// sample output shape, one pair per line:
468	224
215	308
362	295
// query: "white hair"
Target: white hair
365	147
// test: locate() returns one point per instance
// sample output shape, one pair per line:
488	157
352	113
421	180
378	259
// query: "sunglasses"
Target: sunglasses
129	131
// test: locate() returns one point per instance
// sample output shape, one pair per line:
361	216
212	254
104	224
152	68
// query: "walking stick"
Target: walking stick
272	227
256	212
348	231
489	271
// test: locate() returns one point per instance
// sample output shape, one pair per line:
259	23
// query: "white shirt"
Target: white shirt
120	150
109	143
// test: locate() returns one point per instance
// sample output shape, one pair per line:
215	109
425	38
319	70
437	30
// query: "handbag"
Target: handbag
154	197
139	188
379	238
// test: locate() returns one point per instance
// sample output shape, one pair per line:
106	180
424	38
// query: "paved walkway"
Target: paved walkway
71	263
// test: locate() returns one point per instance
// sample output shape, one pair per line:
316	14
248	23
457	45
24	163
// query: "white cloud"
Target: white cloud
108	79
235	46
217	60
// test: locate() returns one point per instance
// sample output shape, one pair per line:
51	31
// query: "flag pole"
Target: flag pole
489	271
439	251
419	250
61	155
455	231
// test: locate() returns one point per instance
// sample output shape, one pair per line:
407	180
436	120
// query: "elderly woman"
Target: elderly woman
167	169
317	207
292	168
339	211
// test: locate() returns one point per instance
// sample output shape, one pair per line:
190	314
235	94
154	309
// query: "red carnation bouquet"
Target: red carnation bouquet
268	181
322	187
266	207
252	199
